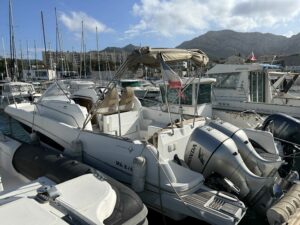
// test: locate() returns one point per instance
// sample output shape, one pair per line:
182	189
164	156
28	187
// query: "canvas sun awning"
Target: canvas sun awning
150	56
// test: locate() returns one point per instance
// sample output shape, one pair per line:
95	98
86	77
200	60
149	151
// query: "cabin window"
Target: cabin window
226	80
204	94
257	86
0	90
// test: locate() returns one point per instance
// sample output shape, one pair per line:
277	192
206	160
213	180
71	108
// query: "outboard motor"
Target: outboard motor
256	163
210	151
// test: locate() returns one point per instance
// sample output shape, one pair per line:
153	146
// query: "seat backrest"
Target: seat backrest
127	98
110	102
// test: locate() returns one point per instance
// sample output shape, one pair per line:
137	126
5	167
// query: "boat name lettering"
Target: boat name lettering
123	166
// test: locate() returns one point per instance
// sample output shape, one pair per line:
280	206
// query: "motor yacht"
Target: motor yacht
245	94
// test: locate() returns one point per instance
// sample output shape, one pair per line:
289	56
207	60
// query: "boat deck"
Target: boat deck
8	181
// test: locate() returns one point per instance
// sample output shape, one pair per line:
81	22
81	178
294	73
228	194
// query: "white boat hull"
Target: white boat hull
114	156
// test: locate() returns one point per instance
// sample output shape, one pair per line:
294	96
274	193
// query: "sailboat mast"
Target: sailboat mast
21	56
44	37
28	60
5	61
98	57
35	56
84	60
50	56
73	64
13	66
56	40
90	56
81	50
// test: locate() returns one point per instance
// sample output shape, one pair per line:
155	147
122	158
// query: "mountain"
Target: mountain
224	43
128	48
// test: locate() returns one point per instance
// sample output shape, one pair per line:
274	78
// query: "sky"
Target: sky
155	23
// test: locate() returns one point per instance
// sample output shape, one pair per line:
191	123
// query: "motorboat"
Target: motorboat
208	170
127	150
41	186
245	94
163	184
14	92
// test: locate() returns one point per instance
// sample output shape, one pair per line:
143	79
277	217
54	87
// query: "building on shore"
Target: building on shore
39	75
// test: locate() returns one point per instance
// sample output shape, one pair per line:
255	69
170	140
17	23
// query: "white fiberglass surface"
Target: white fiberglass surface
59	89
22	88
10	181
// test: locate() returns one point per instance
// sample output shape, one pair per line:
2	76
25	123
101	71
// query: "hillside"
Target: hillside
222	44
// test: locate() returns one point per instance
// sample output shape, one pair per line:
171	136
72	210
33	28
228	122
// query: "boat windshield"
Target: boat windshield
204	94
130	84
226	80
58	90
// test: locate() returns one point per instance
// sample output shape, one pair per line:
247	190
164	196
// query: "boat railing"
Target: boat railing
67	114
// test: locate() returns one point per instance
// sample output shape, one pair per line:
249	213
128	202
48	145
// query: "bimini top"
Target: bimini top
150	56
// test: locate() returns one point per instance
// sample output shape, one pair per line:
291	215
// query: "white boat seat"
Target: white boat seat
127	98
181	178
110	102
88	198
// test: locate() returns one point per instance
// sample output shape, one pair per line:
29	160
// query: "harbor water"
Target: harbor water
12	128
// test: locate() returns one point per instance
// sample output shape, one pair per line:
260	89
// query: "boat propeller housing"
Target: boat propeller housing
256	163
210	151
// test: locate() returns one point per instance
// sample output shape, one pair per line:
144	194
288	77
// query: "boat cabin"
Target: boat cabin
260	83
195	92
